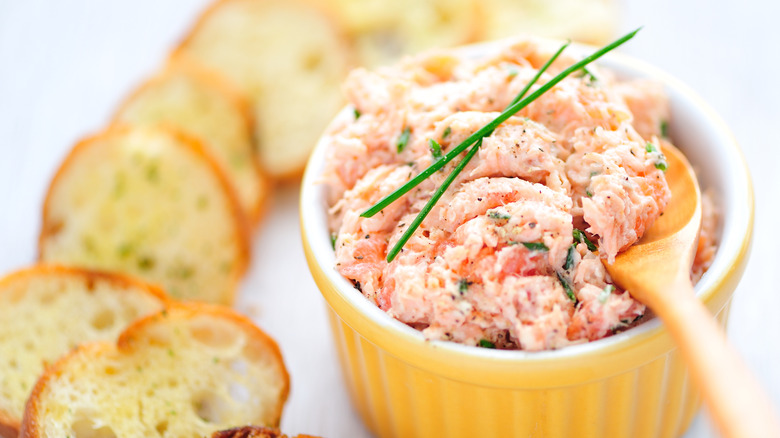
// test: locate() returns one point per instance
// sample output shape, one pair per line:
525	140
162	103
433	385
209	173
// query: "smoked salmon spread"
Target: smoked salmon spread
510	256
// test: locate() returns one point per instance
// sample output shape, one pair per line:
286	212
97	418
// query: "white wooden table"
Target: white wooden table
64	66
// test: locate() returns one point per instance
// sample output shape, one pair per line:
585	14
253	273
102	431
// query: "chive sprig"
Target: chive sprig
475	139
485	131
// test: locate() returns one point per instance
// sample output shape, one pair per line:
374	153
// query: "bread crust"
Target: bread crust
213	80
193	145
119	278
30	428
9	426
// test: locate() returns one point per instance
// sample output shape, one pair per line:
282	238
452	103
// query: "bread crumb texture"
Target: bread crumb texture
47	310
148	202
289	58
203	104
187	371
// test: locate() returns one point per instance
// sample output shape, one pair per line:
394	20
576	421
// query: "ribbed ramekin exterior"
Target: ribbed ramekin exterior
396	399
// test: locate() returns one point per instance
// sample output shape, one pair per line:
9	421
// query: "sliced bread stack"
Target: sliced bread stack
189	370
590	21
201	103
384	30
47	310
289	58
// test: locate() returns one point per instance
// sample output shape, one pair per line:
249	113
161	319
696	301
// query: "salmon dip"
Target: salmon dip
510	256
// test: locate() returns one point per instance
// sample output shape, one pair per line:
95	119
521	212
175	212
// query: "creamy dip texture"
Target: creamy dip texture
506	258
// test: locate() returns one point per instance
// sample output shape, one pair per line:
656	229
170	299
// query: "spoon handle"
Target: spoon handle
736	402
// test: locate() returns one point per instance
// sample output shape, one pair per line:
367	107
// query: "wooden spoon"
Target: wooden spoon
657	272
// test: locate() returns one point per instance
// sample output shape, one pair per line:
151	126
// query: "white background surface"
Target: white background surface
65	65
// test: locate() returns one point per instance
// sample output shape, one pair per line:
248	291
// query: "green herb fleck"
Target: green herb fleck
120	184
664	129
536	246
152	172
216	360
203	202
182	271
356	112
333	240
579	236
512	71
170	352
604	295
650	148
89	243
570	257
588	193
403	140
238	160
124	250
498	215
660	162
446	133
145	263
484	343
567	288
463	286
435	148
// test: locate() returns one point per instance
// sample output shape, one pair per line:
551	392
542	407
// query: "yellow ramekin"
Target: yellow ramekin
633	384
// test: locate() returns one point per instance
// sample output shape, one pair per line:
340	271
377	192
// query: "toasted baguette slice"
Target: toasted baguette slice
254	432
590	21
385	30
188	371
289	58
204	105
149	202
47	310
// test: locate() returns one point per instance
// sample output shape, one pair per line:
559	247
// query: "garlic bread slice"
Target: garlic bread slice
152	203
589	21
190	370
47	310
384	30
202	104
289	58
